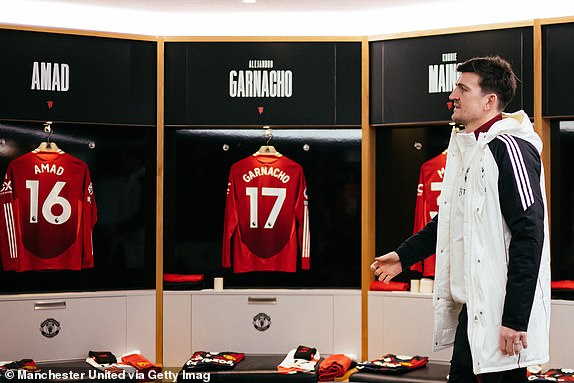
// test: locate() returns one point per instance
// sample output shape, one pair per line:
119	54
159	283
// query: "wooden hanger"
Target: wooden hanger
267	149
48	147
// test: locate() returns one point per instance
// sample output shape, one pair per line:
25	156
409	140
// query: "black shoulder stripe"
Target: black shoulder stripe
519	170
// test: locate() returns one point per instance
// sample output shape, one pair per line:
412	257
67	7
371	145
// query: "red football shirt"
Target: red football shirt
48	213
266	221
428	191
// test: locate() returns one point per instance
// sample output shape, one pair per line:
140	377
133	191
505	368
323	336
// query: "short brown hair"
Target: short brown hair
496	76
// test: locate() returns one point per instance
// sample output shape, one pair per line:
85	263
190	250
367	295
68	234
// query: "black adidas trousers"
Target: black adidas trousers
461	362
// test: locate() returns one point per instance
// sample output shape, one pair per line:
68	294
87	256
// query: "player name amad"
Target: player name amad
47	168
50	76
266	171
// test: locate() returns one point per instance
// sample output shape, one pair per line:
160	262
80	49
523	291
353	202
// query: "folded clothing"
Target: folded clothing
22	364
292	365
183	281
141	364
182	278
334	366
304	352
103	357
562	289
393	364
204	360
565	284
552	375
391	286
106	361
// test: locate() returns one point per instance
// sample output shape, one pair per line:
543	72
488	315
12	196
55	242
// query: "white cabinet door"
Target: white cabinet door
57	329
141	319
176	328
347	328
402	323
561	334
261	323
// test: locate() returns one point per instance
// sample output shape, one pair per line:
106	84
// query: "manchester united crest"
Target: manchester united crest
262	322
50	328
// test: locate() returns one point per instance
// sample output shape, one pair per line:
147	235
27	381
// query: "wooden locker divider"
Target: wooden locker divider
159	203
368	199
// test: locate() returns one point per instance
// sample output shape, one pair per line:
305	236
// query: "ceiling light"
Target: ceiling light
249	1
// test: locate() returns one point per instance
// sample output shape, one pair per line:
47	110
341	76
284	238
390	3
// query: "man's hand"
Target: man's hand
511	341
387	266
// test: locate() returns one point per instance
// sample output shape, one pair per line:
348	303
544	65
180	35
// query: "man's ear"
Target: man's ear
491	101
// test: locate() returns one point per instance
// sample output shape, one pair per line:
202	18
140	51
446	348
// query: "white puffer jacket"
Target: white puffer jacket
497	251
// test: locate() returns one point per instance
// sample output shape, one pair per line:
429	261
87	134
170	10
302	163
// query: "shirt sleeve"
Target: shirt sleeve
522	206
420	245
303	232
8	224
90	217
230	221
420	214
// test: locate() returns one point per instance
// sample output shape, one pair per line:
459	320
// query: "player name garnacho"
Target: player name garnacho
260	83
266	171
19	375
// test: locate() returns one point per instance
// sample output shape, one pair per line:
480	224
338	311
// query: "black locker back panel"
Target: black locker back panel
197	171
562	214
400	154
557	76
121	161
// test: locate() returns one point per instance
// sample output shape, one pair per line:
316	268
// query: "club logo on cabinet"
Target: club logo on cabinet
262	322
50	328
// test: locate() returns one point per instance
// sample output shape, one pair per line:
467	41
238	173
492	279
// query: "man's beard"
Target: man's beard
456	120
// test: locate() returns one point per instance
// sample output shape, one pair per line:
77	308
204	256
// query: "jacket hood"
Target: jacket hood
516	124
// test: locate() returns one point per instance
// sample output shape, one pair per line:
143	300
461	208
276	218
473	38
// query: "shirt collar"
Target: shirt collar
484	127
